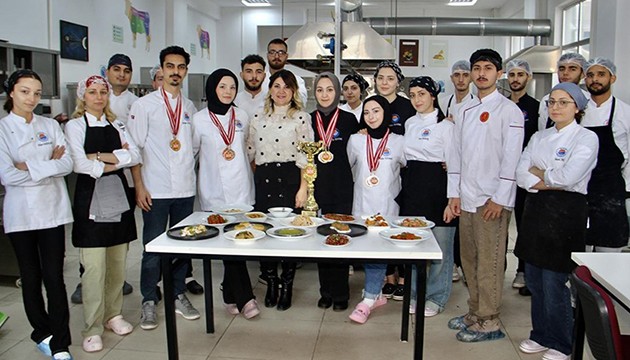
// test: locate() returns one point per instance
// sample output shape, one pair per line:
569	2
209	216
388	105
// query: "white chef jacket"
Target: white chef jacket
484	155
75	135
38	198
251	104
121	104
426	139
300	82
450	106
222	182
380	198
598	116
543	112
166	174
567	156
356	112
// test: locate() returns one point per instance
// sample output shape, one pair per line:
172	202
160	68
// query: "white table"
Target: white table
611	271
366	248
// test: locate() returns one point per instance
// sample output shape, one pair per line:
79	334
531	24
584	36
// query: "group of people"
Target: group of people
386	154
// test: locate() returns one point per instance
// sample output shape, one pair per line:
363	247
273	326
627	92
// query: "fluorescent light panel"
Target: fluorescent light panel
255	3
461	2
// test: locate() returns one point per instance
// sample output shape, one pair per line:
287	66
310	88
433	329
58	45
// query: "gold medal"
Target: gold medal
372	181
175	144
325	157
228	154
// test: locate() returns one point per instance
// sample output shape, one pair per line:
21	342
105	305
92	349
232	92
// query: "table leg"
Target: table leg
421	286
578	331
404	331
207	283
169	307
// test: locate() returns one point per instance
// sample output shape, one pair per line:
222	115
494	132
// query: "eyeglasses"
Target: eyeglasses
561	103
276	53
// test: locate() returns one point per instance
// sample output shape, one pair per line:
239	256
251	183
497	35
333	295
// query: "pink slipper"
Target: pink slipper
251	309
232	309
362	310
92	343
119	325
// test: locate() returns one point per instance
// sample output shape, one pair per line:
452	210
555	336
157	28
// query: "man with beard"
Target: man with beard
609	118
462	98
277	56
519	74
570	69
252	98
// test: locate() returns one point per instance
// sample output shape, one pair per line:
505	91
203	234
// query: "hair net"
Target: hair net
89	81
518	64
607	63
154	71
575	92
461	65
572	58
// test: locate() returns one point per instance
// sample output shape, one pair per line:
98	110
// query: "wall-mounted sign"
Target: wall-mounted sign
408	52
117	34
193	49
438	53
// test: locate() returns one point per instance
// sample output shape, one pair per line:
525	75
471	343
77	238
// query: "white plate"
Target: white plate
424	234
344	221
228	219
231	235
316	222
337	246
397	222
232	209
257	219
273	232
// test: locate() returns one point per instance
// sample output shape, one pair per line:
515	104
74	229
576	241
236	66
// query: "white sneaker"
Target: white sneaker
519	280
430	312
456	276
529	346
552	354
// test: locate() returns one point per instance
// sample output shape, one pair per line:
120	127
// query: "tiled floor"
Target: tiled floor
303	332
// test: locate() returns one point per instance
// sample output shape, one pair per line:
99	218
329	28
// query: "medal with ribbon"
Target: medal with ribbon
228	138
326	136
374	159
174	118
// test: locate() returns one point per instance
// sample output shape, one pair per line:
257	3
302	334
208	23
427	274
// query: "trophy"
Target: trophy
310	148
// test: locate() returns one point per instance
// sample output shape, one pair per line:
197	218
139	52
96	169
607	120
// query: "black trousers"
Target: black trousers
237	288
40	255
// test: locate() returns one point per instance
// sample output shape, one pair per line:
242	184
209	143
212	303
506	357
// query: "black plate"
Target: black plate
232	226
355	230
174	233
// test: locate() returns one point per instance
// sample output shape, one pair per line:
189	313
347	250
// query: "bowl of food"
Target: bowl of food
405	237
280	212
244	236
303	221
416	223
218	219
256	216
337	240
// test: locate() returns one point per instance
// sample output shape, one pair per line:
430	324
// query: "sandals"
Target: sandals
119	325
362	311
231	309
92	344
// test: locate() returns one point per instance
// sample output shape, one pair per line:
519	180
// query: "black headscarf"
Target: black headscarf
358	79
335	82
379	132
214	104
432	87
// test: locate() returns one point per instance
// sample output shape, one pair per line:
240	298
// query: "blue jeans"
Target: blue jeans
440	274
163	212
374	277
552	315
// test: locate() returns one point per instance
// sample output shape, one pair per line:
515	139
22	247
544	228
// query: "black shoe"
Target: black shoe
340	305
263	278
524	291
158	293
388	290
77	295
324	302
271	297
194	287
127	288
286	293
399	293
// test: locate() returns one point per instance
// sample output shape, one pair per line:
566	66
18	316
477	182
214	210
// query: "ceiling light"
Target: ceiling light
461	2
255	3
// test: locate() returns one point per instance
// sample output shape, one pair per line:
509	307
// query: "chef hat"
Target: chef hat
575	92
154	71
393	66
461	65
607	63
518	64
487	55
572	58
87	82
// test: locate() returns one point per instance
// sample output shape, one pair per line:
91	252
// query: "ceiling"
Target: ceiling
480	5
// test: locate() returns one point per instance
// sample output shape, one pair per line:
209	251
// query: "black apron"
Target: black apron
552	226
608	219
85	232
424	191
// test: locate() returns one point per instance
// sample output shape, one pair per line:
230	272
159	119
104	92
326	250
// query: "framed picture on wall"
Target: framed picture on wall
73	41
408	52
438	53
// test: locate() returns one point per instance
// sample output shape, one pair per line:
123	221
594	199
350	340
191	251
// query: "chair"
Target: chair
600	318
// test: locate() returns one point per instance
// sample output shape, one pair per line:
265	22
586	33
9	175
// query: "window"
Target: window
576	28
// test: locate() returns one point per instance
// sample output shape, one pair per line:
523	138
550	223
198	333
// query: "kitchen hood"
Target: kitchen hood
541	58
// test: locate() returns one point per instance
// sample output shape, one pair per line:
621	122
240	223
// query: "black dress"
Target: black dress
401	111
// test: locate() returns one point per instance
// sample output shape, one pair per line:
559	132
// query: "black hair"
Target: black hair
278	41
9	85
174	50
253	59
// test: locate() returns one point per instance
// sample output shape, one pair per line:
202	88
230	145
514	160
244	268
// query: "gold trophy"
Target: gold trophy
310	148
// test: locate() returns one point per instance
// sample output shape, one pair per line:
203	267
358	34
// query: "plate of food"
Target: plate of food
303	221
233	209
289	233
255	216
217	219
414	222
336	240
376	222
337	227
192	232
260	226
246	236
405	237
339	217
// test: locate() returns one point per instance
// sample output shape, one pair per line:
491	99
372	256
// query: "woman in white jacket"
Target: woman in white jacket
33	161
